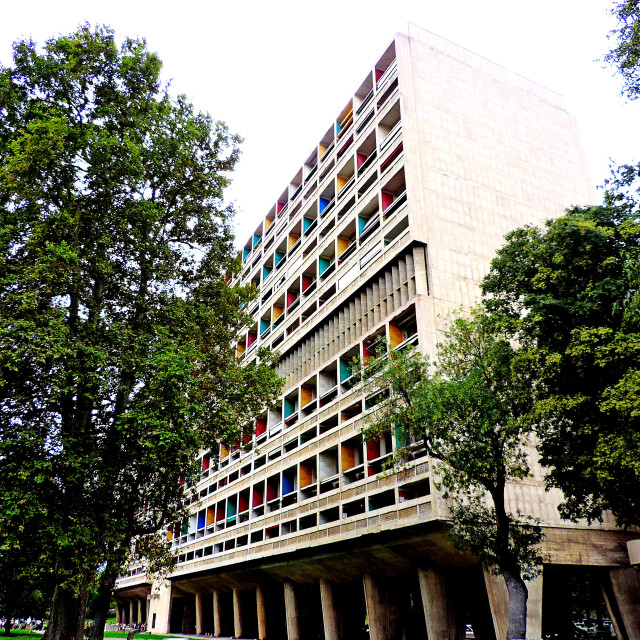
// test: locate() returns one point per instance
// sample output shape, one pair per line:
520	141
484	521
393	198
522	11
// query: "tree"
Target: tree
625	55
568	294
472	414
25	582
117	322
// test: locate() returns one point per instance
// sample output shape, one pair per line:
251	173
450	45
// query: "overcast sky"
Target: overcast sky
279	72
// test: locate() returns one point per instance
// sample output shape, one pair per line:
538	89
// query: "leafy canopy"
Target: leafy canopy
625	55
470	411
569	295
116	318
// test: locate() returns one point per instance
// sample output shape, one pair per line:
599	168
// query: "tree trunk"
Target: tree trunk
63	621
103	601
518	595
509	567
81	610
7	623
68	607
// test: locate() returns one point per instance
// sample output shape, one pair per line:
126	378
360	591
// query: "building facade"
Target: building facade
389	224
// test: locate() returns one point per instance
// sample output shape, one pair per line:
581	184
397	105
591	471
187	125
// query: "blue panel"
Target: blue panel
287	483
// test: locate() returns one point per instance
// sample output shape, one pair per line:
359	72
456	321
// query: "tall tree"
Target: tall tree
471	413
568	294
624	57
117	322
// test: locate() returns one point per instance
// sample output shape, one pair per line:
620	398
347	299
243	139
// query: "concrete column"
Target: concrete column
199	613
217	614
441	608
118	613
132	612
330	613
534	609
383	610
237	614
499	603
292	611
161	608
262	613
625	611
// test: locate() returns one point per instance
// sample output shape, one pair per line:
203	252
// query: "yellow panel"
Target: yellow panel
277	312
348	457
395	335
293	239
346	117
343	243
341	182
306	396
211	515
306	474
323	149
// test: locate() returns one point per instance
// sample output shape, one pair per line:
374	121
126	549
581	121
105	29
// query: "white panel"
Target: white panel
348	277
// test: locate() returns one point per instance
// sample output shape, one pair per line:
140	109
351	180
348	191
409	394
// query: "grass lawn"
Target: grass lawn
15	633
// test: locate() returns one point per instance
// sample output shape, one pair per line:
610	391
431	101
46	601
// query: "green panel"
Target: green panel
401	437
306	223
323	265
289	407
345	370
265	272
264	325
362	223
279	256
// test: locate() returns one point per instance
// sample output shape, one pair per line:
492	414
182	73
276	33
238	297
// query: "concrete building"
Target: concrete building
389	223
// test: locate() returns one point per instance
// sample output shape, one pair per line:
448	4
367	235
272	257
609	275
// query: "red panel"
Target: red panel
373	450
387	199
258	495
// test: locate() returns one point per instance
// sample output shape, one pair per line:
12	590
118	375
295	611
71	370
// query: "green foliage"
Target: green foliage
625	55
475	530
568	294
117	323
471	412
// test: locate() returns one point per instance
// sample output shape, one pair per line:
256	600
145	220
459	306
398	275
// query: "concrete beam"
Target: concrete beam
292	611
442	611
238	627
625	584
330	613
199	613
499	603
534	609
261	610
217	614
383	609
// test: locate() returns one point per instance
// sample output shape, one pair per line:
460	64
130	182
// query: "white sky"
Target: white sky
278	72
